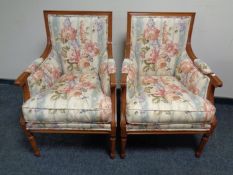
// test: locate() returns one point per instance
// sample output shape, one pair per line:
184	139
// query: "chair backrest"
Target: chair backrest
82	39
156	40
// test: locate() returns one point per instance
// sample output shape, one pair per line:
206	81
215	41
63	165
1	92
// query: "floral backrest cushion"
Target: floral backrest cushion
79	40
157	42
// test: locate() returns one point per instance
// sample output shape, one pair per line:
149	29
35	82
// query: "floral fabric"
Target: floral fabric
107	67
129	67
34	66
202	66
157	42
111	66
45	75
168	127
164	100
73	98
80	40
191	77
70	126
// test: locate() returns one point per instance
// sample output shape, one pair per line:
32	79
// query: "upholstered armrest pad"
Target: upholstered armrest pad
129	67
107	67
34	66
191	77
22	79
202	66
44	75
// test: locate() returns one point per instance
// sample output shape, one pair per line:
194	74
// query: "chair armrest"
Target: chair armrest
41	74
197	78
124	80
22	79
123	103
128	88
46	75
215	80
107	72
202	66
113	100
129	68
205	69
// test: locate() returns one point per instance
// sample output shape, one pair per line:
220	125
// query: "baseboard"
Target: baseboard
223	100
7	81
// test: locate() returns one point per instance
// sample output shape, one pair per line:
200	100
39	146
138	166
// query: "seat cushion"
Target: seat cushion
73	98
164	100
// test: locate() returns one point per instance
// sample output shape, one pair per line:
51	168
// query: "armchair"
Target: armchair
71	88
165	88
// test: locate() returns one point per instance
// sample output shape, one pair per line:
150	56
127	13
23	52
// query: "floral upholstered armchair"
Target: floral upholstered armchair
165	88
71	88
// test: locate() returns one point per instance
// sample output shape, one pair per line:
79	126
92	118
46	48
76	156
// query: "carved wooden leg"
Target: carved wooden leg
30	137
205	138
112	147
123	145
202	144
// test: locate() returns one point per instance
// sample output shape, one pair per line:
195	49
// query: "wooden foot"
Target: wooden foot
32	141
30	137
202	144
123	145
112	147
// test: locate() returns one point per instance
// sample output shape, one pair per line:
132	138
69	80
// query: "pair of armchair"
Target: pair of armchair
71	88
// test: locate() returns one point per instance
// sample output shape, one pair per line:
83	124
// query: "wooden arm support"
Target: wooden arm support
22	79
124	80
215	80
113	82
123	103
123	92
113	100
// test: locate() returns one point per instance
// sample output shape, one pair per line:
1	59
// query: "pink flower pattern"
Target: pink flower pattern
191	77
68	32
78	50
151	33
44	76
158	44
172	102
105	105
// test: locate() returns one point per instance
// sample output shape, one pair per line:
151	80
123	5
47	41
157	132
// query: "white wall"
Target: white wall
22	33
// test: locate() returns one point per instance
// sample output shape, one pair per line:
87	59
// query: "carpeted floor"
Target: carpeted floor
87	154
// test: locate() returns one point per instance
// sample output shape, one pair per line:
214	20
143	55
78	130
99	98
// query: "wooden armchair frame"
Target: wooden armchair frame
214	83
22	82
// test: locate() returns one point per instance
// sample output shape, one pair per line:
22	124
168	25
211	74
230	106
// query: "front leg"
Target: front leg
30	137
